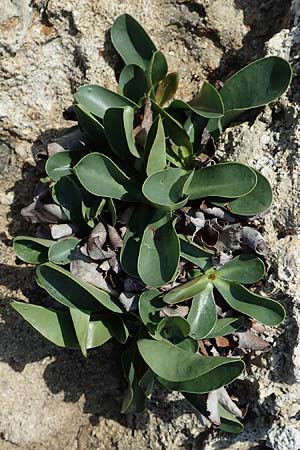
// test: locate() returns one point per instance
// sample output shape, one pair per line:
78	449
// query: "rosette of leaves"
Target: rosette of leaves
118	260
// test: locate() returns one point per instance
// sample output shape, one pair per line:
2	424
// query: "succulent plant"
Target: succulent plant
143	230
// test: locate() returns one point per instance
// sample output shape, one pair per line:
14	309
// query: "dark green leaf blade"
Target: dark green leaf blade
186	290
81	320
71	291
208	103
245	269
159	252
229	423
203	313
174	364
89	124
96	99
217	377
255	202
131	41
56	326
150	305
61	163
61	251
157	69
133	82
101	176
67	194
195	254
229	180
32	250
141	217
167	188
155	147
264	309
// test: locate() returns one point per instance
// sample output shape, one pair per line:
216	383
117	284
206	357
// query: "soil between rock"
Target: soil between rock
55	399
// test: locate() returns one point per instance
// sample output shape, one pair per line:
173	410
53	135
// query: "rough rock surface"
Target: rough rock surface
55	399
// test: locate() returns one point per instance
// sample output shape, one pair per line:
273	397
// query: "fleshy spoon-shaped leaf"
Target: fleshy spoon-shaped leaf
67	194
133	82
217	377
226	326
174	364
203	313
167	188
61	251
257	84
157	69
155	147
133	238
121	142
131	41
96	99
159	252
195	254
255	202
81	320
56	326
263	309
246	269
167	88
229	180
186	290
89	124
32	250
100	175
71	291
61	163
208	103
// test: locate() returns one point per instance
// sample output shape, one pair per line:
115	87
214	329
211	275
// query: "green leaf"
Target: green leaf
255	202
89	124
146	383
61	251
186	290
257	84
203	313
229	423
32	250
159	252
195	254
133	82
96	99
56	326
226	326
172	328
101	176
150	305
217	377
61	163
208	103
67	194
135	397
167	88
98	333
81	320
188	344
155	147
264	309
246	269
229	180
140	218
132	42
118	124
71	291
116	327
157	69
174	364
167	188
